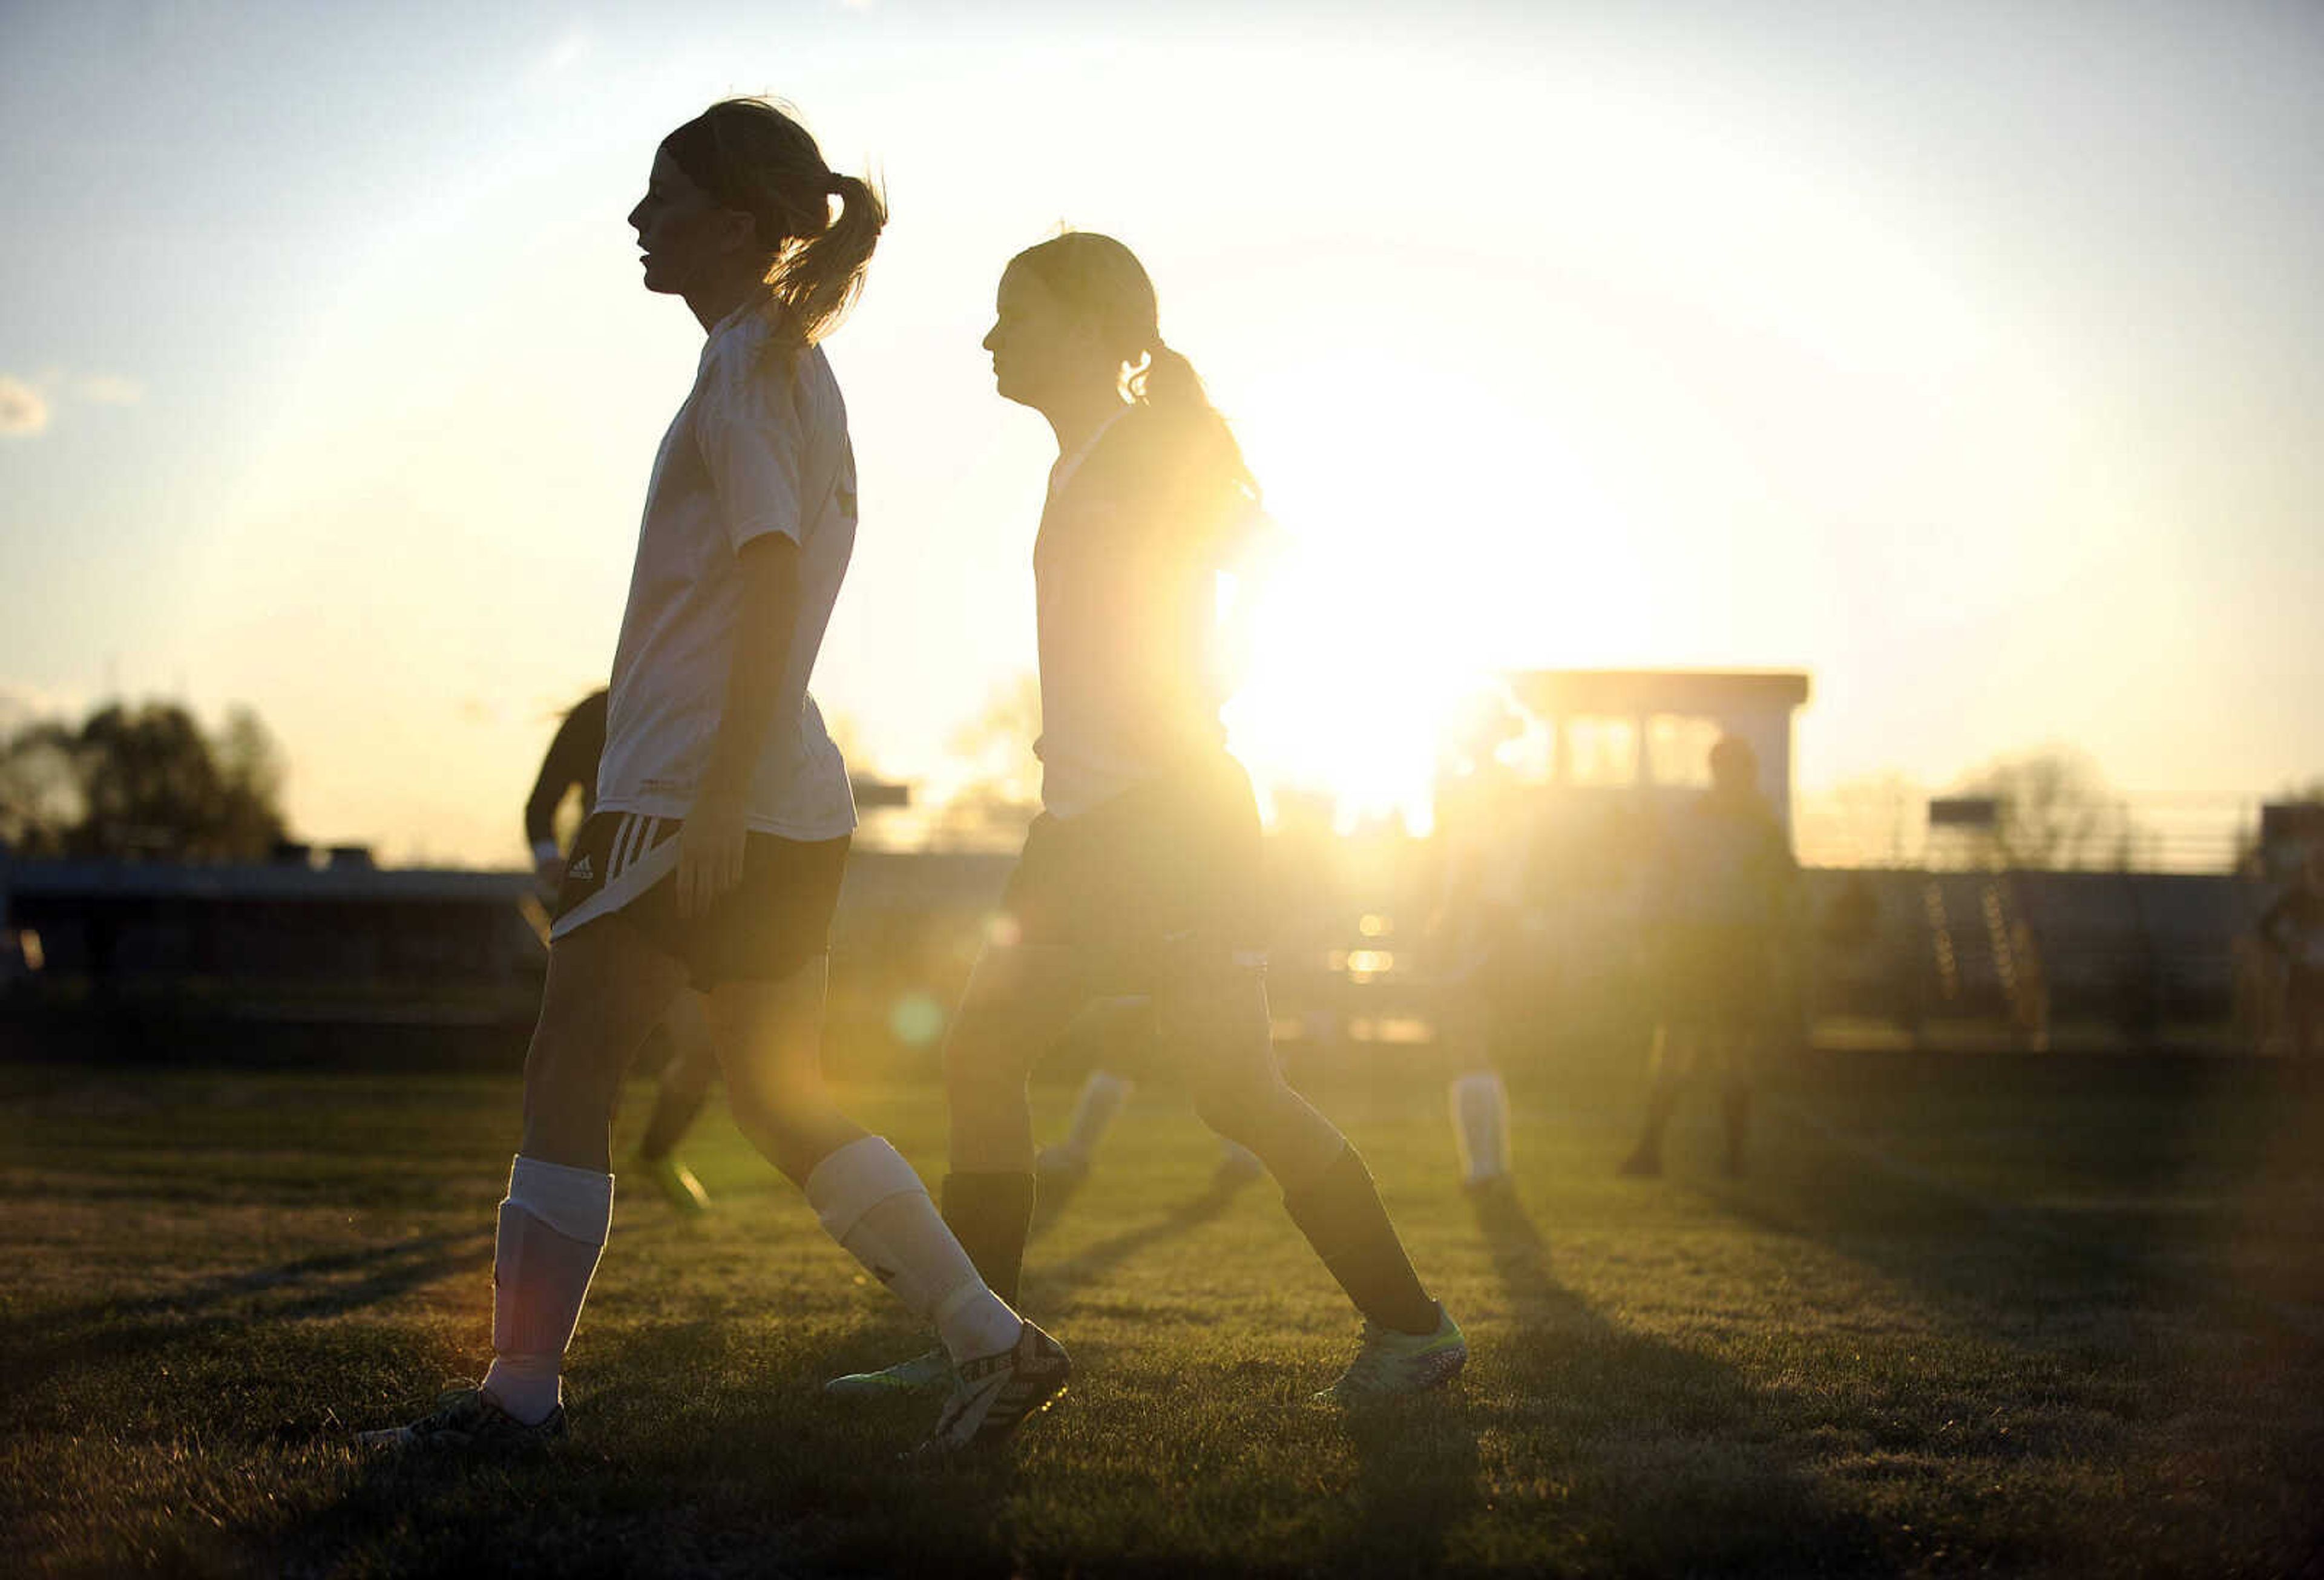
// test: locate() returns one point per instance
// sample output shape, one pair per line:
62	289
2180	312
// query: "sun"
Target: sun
1416	564
1350	682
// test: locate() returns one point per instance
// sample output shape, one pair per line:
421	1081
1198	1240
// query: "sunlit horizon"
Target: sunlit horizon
1739	341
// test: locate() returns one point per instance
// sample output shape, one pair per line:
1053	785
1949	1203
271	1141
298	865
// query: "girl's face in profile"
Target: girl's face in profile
683	232
1040	346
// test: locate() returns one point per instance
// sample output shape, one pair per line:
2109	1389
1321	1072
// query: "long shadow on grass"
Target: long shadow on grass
694	1452
1619	1450
36	1348
2123	1180
1052	1285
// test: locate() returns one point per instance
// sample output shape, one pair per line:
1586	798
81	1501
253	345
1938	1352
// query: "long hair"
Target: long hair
754	158
1102	280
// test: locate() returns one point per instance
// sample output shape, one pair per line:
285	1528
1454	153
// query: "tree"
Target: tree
2057	811
1000	790
1876	819
40	789
143	781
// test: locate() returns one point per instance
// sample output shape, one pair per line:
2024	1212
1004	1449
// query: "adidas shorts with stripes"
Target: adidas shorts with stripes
776	920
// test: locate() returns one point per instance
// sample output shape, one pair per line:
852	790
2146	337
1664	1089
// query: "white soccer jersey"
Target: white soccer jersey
1125	579
760	445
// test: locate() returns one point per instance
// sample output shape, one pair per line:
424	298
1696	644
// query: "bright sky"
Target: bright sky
1969	357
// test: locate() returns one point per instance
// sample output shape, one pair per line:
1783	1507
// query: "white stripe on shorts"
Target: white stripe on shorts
636	830
625	880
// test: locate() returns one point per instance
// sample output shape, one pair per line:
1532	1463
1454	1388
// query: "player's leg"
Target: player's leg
606	988
1238	1166
1480	1128
1114	1026
1726	1058
1479	1103
679	1098
1676	1047
1095	1107
1211	1007
769	1034
1020	997
868	1199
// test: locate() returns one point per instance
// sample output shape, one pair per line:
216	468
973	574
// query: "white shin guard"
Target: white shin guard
552	1230
871	1201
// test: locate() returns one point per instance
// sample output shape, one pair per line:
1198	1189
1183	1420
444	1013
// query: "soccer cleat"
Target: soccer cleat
673	1182
1390	1362
468	1418
994	1394
923	1374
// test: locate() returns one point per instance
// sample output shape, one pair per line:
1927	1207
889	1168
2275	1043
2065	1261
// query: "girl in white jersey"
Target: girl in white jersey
712	857
1141	875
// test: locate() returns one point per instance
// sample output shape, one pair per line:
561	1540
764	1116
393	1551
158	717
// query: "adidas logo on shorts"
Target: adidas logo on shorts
581	871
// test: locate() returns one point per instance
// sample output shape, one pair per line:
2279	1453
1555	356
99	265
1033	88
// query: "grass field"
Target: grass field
2012	1315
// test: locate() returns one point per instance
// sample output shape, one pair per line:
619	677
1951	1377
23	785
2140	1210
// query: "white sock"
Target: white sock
871	1202
1103	1096
552	1229
1481	1125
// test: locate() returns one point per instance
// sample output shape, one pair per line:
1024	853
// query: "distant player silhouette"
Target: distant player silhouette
571	767
1716	907
2292	928
1475	937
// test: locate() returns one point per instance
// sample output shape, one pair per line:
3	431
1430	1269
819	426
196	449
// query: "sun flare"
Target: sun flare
1422	554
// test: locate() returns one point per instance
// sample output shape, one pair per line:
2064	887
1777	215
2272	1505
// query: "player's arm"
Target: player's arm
571	754
748	431
710	843
2272	925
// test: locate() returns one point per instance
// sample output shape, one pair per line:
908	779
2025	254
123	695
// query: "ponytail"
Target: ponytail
754	158
1168	386
1102	280
816	282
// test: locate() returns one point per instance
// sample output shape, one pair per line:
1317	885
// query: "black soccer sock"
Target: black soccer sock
991	1215
1344	1219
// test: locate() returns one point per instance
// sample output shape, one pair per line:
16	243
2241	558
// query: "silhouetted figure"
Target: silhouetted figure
571	765
1142	875
1717	894
1476	938
2292	928
713	859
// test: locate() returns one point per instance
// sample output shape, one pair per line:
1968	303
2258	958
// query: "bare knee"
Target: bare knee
1244	1106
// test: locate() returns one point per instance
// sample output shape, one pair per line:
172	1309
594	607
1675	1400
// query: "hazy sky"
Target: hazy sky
1969	357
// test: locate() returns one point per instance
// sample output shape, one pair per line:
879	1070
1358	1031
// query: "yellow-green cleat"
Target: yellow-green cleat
673	1182
1392	1364
931	1372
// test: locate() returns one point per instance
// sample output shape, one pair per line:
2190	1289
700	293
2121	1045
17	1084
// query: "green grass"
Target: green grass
2012	1315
